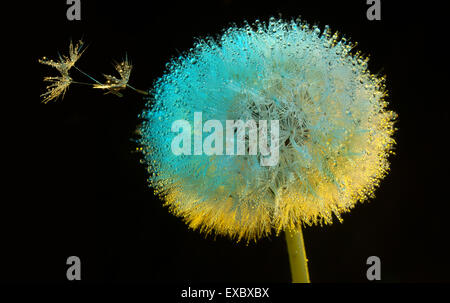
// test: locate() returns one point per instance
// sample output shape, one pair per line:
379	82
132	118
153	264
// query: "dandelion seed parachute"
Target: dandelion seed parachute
114	85
59	84
335	130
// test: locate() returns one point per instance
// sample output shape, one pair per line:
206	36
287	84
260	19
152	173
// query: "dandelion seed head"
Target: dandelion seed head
335	130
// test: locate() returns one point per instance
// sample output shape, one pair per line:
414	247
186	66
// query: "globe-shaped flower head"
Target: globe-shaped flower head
335	132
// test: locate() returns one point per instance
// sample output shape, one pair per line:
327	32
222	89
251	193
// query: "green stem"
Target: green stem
297	256
86	75
137	90
82	83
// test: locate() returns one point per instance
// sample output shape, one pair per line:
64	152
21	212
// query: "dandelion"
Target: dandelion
113	85
335	132
65	63
60	84
57	88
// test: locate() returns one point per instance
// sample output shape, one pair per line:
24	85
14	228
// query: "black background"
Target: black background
79	187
